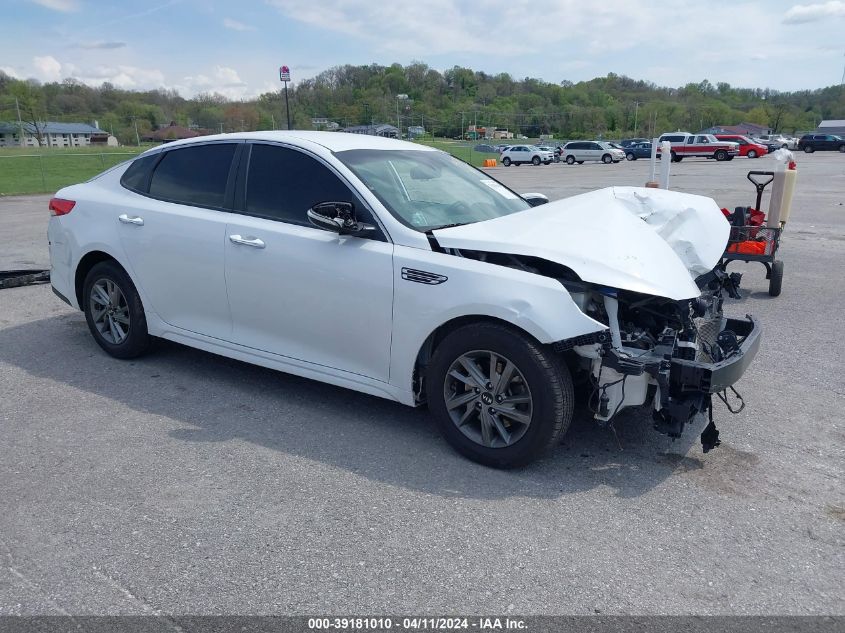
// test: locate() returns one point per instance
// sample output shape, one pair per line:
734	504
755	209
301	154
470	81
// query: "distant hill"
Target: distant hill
441	102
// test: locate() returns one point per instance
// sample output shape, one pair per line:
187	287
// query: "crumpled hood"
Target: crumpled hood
651	241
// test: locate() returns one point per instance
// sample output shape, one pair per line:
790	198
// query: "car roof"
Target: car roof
332	141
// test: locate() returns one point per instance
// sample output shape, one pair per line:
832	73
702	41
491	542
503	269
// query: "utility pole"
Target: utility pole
137	137
636	112
20	122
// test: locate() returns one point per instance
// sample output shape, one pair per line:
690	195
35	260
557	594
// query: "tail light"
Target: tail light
60	206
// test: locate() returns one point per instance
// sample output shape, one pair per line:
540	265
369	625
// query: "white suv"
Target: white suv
399	271
520	154
580	151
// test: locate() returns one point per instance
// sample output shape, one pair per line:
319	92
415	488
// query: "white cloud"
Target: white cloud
229	23
222	80
802	13
65	6
10	72
48	67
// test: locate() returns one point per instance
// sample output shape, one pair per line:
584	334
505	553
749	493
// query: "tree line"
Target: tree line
443	103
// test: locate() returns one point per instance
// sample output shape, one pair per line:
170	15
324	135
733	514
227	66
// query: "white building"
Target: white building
54	134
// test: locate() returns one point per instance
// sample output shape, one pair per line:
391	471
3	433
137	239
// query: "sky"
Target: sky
236	48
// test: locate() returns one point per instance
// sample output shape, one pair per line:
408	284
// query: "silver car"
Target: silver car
580	151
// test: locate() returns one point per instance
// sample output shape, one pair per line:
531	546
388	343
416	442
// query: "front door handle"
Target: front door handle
247	241
131	219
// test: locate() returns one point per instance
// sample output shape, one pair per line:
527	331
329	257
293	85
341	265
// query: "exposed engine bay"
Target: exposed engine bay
644	263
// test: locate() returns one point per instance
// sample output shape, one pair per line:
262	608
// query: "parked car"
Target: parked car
747	147
821	142
501	148
397	270
484	149
685	145
781	141
580	151
553	150
627	142
638	150
523	154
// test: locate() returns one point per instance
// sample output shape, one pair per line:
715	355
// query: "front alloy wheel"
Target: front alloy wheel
488	399
499	397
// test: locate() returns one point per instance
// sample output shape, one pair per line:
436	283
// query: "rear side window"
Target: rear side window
137	176
194	175
282	184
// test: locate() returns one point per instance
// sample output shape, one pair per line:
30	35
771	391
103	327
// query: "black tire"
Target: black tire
676	158
547	162
751	154
506	161
720	155
535	161
607	159
630	156
808	149
776	278
842	149
730	158
570	160
547	379
137	339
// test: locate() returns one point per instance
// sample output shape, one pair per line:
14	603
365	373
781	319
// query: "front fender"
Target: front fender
459	287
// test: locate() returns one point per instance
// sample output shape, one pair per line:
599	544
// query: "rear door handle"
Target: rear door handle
131	219
247	241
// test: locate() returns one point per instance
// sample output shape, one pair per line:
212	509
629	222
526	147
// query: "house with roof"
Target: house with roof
746	129
377	129
172	132
53	134
832	126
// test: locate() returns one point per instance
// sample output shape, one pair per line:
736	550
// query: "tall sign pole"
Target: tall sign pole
284	77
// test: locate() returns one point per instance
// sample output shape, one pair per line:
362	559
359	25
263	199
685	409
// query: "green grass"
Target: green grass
47	169
463	149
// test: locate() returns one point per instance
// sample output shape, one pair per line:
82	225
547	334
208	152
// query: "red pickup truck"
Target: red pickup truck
685	144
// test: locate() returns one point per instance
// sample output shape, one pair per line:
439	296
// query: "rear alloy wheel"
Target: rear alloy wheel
114	312
720	155
808	149
752	154
499	397
506	161
842	149
607	159
535	161
630	156
570	160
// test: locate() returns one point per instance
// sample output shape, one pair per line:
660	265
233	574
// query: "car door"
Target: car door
297	290
593	152
173	235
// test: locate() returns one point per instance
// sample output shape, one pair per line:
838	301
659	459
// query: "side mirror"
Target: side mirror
535	199
338	217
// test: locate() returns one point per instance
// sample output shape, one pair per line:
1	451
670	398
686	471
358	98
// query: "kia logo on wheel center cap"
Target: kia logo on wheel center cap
487	398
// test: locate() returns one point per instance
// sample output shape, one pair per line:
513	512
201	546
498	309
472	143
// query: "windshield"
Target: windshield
429	190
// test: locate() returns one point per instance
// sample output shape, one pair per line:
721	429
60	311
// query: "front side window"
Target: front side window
194	175
282	184
427	190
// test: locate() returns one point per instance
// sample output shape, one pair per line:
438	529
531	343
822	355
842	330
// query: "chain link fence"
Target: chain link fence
47	172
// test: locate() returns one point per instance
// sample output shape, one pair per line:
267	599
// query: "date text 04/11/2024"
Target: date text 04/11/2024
417	624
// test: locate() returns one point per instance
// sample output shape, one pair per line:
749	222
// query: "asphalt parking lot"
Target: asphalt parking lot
186	483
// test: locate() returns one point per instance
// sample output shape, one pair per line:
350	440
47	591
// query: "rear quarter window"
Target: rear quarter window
137	176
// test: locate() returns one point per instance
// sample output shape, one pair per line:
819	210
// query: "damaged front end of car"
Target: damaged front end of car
673	355
645	264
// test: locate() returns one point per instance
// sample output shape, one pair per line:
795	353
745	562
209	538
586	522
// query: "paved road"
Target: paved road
188	483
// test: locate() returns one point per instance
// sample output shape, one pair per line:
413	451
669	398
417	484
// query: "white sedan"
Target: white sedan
399	271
